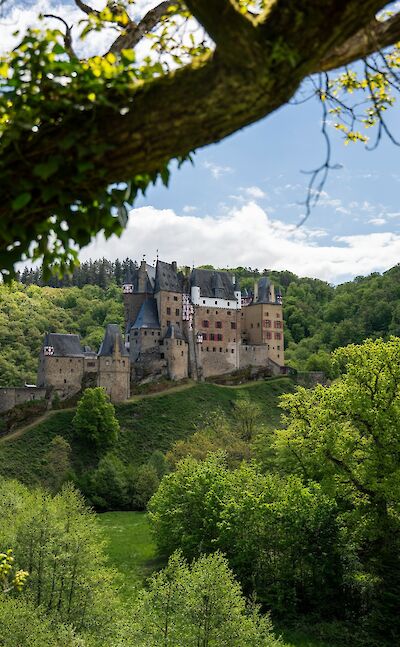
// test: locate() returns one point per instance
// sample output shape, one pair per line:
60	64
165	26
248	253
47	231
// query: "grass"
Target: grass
131	549
148	423
132	552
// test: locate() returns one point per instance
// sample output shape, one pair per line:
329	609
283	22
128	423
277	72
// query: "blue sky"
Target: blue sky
239	203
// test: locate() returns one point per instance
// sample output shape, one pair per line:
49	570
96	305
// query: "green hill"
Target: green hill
148	423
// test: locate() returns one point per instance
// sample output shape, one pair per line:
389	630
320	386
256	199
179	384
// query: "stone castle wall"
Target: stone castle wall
10	397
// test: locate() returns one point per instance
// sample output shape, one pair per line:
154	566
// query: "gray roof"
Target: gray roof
264	285
167	278
148	315
213	284
112	338
132	278
64	345
174	332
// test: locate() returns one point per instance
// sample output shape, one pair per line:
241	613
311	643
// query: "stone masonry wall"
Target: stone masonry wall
11	396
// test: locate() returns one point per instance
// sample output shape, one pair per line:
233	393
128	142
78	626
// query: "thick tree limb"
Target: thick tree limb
234	33
375	36
134	33
201	103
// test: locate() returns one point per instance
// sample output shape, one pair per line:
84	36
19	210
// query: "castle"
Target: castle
178	324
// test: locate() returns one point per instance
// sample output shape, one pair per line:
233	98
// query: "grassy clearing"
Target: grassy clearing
130	548
148	423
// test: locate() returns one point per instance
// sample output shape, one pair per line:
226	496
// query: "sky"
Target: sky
239	204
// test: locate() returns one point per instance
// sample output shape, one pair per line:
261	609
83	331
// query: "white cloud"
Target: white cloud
247	236
189	208
216	170
254	192
377	222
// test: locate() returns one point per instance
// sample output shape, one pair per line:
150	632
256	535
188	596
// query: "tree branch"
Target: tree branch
67	37
86	9
375	36
133	32
234	33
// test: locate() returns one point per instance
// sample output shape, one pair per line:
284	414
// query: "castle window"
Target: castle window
229	312
232	351
219	337
152	332
258	324
182	353
208	312
267	323
214	349
70	361
251	325
91	364
269	335
158	333
205	336
168	311
162	355
220	350
204	302
278	324
175	298
278	348
277	315
267	313
277	335
206	323
168	323
226	350
216	312
145	332
177	312
233	325
229	303
218	324
212	336
207	349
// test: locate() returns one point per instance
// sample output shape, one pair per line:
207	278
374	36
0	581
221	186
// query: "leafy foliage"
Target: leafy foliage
200	604
95	422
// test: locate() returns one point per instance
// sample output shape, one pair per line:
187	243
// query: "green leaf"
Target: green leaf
46	169
21	201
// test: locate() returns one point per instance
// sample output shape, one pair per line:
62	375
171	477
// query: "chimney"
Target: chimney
174	266
142	265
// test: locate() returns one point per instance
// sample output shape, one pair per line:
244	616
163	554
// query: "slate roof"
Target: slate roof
132	278
210	282
64	345
111	338
147	315
167	278
264	285
174	332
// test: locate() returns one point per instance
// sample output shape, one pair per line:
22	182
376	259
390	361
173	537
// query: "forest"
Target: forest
319	317
258	524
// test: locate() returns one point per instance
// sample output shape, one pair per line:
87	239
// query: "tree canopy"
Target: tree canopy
212	69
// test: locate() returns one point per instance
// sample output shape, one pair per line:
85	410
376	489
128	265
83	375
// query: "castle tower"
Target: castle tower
263	321
114	366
